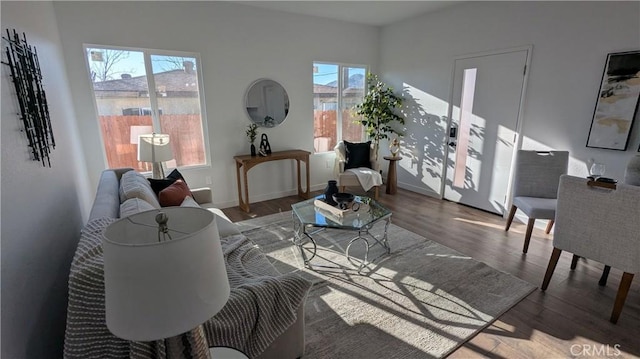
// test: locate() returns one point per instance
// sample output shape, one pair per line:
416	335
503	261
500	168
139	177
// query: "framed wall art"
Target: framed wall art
617	102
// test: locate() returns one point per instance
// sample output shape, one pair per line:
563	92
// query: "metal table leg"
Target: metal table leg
361	236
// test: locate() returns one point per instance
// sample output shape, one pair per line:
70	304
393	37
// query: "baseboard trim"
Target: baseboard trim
420	190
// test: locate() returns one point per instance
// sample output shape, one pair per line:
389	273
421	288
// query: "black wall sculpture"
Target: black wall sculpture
32	101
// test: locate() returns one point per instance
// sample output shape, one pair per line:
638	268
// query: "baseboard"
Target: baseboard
420	190
268	196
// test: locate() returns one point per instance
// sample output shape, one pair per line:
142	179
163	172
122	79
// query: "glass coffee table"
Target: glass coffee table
308	220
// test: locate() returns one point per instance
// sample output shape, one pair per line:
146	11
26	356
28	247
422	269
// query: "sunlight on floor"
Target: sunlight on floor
485	224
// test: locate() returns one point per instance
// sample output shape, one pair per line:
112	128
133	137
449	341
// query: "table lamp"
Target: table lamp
165	275
155	148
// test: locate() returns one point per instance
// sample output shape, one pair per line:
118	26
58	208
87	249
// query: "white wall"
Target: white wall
238	44
41	212
570	44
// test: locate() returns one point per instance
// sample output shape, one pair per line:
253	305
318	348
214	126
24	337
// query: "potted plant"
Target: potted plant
378	111
252	133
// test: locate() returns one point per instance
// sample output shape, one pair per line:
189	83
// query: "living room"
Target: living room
45	208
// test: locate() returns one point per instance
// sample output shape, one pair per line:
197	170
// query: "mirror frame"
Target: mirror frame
257	85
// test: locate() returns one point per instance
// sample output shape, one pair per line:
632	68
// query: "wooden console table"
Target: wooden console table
246	162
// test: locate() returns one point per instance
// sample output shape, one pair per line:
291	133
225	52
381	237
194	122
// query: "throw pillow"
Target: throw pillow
176	175
357	154
133	206
189	202
158	185
135	185
174	195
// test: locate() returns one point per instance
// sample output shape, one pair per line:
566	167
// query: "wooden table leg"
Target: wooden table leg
392	178
308	191
241	203
299	181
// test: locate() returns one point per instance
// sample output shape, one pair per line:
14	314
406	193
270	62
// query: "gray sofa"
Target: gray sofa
289	344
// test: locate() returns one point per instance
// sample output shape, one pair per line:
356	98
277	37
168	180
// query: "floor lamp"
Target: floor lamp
155	148
165	275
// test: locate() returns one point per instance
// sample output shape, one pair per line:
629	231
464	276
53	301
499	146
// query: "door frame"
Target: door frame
519	120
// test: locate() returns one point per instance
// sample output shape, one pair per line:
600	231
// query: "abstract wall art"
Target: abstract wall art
22	59
617	102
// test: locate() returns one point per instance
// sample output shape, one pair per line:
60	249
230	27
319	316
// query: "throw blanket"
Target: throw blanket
262	304
367	177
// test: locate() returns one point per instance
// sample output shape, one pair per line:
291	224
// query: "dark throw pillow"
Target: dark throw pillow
158	185
174	195
176	175
357	154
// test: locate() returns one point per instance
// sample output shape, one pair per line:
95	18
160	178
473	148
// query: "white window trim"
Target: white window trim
341	66
152	96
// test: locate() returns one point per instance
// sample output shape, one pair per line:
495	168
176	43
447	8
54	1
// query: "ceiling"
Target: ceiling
376	13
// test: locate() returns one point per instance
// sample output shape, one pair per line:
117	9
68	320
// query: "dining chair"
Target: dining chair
535	187
631	177
600	224
355	166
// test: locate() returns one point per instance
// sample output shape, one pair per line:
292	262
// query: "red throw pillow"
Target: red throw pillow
174	194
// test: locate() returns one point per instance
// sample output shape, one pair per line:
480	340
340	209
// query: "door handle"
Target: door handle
453	144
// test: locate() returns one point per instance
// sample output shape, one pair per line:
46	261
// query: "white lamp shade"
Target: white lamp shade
155	290
154	148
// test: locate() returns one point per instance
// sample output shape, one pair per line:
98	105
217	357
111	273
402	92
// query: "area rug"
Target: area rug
423	300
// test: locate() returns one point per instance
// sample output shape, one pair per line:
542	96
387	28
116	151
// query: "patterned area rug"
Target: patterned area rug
423	300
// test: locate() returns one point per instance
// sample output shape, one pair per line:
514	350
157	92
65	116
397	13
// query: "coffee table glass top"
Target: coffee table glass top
370	211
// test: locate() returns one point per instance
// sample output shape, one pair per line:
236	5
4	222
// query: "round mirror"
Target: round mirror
267	103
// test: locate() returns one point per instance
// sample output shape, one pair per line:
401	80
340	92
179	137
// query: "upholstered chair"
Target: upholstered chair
361	158
600	224
631	177
535	187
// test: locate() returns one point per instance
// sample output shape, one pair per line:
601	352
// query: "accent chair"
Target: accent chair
356	155
535	187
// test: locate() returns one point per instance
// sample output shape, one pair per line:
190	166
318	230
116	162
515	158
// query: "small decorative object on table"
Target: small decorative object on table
596	170
264	144
394	147
332	188
251	135
345	200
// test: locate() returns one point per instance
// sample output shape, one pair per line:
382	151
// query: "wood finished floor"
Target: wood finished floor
570	319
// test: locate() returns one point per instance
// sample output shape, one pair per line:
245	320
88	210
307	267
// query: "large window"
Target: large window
337	89
127	108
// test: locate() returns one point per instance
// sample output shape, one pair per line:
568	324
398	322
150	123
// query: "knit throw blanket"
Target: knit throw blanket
367	177
262	304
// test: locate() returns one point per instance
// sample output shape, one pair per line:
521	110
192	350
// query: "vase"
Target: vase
332	188
253	150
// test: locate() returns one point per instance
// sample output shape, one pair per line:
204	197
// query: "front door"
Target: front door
487	97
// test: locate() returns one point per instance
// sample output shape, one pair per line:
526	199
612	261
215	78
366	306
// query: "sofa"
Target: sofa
282	339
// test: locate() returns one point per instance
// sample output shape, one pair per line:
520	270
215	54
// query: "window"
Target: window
334	98
126	108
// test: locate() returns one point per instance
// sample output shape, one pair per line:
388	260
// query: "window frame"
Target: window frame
153	99
339	100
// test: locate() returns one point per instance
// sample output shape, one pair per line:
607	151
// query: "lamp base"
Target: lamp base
158	171
192	344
